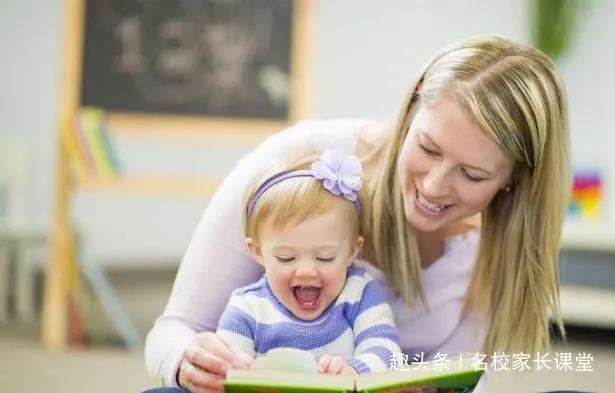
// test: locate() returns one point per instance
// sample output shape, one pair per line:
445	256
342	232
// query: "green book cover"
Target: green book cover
290	373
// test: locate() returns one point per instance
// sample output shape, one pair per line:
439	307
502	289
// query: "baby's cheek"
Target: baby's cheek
334	283
279	282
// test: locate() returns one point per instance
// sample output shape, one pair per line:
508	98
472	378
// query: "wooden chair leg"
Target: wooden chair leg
4	282
24	282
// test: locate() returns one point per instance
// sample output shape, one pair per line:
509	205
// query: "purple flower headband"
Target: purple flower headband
340	173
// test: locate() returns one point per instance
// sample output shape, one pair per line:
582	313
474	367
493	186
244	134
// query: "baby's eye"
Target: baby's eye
330	259
285	259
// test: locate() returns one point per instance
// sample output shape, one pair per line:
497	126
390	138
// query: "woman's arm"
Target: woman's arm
216	262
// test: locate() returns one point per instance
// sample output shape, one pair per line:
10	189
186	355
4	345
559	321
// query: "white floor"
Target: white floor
25	367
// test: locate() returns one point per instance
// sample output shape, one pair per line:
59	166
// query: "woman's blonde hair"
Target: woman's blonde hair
516	95
294	200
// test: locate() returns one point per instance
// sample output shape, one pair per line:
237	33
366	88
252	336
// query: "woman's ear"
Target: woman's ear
255	249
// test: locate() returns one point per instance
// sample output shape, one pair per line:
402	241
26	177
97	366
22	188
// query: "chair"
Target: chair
17	239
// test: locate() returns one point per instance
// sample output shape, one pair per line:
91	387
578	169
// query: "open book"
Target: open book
287	370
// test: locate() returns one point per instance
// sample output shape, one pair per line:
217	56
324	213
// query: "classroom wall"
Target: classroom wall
364	56
590	82
30	41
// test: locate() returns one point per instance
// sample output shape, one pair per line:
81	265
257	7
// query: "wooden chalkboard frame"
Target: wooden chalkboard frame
61	272
126	122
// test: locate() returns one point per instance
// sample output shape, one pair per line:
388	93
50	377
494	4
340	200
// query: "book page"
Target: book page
287	368
289	379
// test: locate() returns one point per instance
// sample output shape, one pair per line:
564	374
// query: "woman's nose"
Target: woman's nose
436	182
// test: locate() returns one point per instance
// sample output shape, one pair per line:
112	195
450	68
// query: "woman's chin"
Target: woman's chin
423	226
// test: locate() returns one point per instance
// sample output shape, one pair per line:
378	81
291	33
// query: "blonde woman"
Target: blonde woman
468	191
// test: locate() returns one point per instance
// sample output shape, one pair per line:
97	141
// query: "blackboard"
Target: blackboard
221	58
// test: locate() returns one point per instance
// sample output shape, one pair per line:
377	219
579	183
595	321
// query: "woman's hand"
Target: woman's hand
336	365
205	363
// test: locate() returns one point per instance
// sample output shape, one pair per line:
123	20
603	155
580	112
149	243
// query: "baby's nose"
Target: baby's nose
306	269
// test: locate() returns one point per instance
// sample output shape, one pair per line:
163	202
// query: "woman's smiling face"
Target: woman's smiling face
449	169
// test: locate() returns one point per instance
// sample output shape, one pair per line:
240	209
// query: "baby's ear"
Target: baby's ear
255	249
357	245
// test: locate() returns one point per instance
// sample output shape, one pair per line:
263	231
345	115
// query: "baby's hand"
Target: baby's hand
328	364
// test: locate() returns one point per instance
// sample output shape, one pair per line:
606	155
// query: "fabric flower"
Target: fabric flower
340	173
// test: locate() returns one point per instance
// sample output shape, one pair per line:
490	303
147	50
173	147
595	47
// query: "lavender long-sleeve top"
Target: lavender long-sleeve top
358	326
218	262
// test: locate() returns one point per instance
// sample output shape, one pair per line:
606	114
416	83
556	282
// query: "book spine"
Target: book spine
108	147
91	122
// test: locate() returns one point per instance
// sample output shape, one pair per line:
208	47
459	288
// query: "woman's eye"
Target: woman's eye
331	259
285	259
471	178
427	150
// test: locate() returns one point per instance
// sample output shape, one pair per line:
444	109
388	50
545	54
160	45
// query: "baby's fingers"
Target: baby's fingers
348	370
336	366
331	364
323	363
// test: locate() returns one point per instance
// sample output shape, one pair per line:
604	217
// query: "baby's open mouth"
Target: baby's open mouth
307	297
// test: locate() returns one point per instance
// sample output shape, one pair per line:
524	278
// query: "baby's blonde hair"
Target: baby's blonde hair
294	200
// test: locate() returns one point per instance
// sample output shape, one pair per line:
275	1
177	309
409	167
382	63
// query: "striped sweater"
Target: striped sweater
358	326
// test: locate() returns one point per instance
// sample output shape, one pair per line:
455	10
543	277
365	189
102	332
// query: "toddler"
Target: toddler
303	225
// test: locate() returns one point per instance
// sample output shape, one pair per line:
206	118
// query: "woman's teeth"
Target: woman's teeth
434	207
